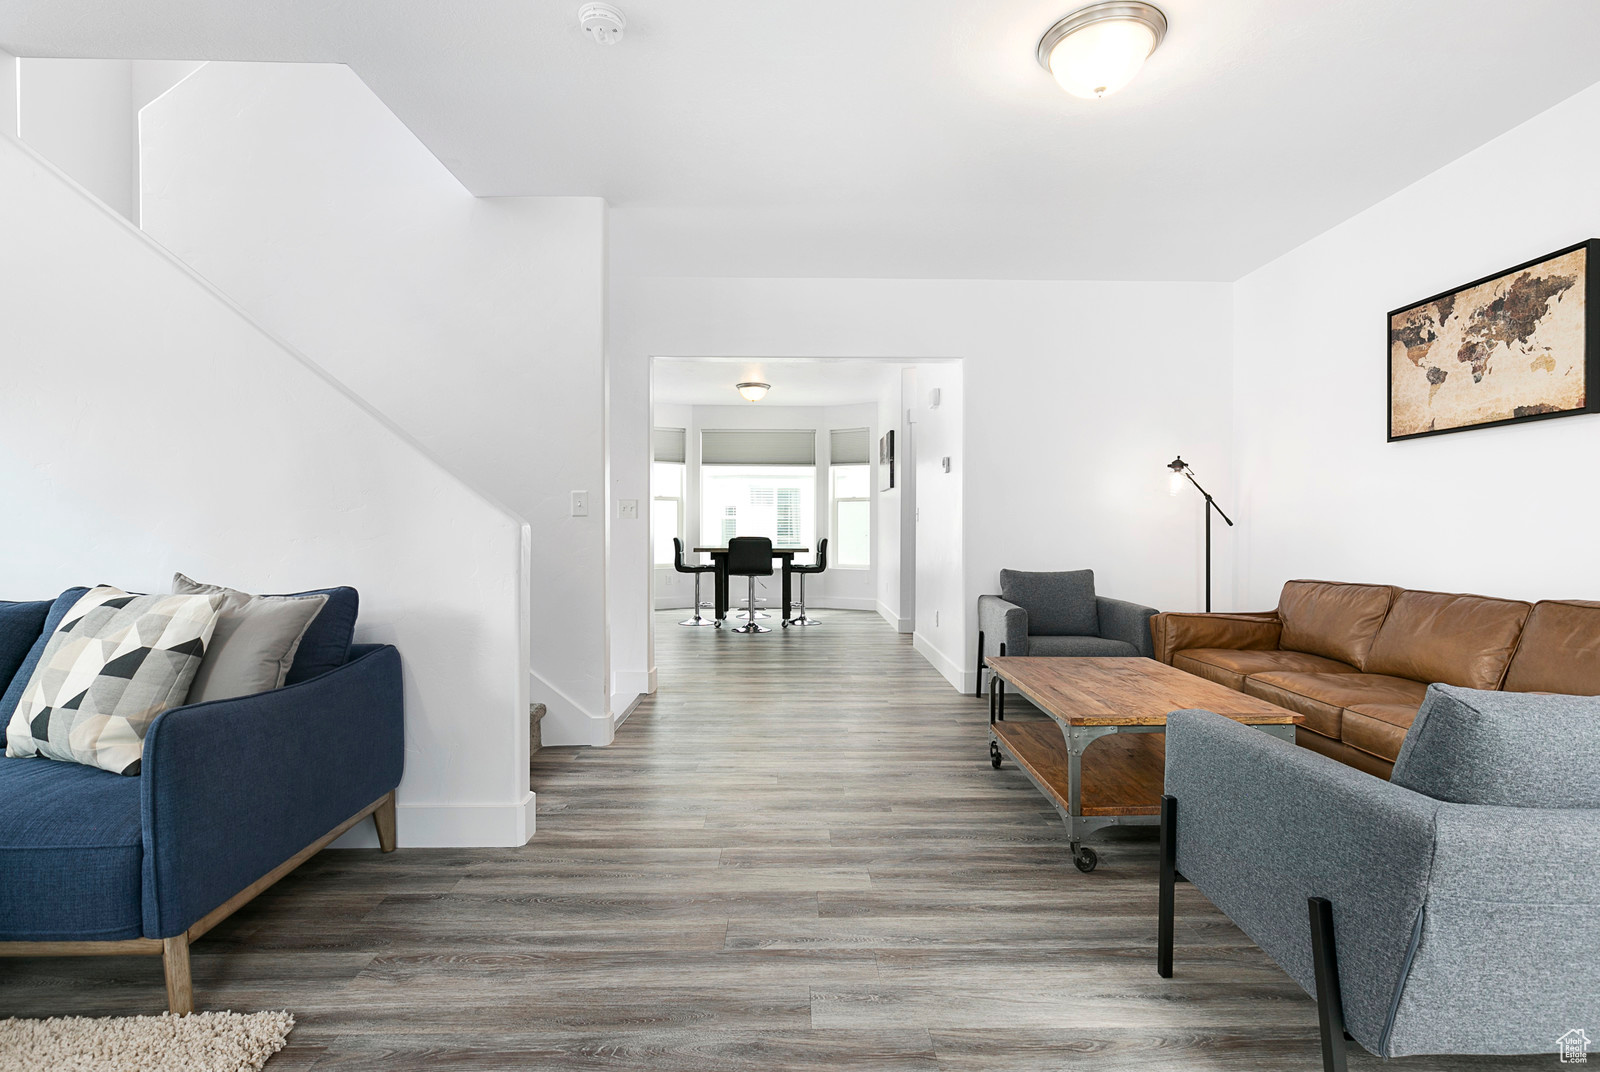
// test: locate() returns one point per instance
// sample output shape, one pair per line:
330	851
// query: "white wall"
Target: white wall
79	115
1505	511
477	324
8	94
1075	395
146	426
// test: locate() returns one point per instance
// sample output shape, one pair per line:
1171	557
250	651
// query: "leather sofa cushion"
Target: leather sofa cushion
1559	650
1378	729
1334	620
1454	639
1228	667
1322	698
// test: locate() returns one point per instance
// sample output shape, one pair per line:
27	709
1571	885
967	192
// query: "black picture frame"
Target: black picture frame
886	461
1591	344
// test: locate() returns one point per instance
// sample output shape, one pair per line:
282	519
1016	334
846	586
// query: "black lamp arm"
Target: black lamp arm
1210	502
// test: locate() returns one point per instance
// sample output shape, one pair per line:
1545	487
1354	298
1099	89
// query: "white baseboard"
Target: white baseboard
633	682
901	625
565	721
840	603
453	826
949	669
622	706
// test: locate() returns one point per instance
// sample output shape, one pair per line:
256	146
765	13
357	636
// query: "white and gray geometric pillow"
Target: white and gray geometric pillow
114	663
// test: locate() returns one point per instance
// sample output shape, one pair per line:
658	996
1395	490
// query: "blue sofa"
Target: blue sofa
233	795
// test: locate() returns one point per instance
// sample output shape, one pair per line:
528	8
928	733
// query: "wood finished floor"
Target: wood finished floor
795	857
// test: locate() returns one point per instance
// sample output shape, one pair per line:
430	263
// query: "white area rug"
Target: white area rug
202	1042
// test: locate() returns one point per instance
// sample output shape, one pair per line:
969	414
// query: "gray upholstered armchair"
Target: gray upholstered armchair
1058	614
1451	910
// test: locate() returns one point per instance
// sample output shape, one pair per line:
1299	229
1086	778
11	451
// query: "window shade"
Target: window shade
668	444
850	446
758	446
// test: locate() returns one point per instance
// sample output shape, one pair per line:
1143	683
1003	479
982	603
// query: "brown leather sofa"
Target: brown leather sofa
1356	659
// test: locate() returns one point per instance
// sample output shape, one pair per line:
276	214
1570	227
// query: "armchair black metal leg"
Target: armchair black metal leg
1325	972
1169	880
978	692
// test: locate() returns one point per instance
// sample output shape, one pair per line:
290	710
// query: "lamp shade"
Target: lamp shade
752	391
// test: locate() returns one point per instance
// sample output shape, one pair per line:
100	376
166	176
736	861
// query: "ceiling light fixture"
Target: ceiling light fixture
1097	50
753	391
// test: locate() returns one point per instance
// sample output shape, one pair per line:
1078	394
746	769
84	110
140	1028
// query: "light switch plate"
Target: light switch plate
580	504
627	508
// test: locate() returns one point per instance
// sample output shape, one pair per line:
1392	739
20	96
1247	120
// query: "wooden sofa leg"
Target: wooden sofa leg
175	962
383	819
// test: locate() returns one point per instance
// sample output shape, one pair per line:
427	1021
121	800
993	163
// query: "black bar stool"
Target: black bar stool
750	556
822	564
683	567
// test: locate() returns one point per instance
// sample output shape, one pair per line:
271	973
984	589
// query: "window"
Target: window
666	514
852	517
850	452
759	500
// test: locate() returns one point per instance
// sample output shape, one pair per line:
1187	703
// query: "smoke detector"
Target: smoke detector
602	22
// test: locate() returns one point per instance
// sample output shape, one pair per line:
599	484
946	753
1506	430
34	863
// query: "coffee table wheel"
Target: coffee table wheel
1085	859
994	755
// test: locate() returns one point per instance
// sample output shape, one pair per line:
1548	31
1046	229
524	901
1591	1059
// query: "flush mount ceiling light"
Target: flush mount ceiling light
753	391
1097	50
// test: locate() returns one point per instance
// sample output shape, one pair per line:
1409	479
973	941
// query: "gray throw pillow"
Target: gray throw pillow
114	663
1058	604
1517	749
254	643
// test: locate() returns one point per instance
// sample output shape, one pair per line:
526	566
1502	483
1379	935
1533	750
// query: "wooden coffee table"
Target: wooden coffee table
1120	706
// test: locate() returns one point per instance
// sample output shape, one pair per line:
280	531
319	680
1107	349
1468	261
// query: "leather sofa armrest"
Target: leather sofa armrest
1175	631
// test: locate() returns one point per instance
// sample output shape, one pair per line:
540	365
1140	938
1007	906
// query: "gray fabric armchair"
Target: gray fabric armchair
1450	911
1058	614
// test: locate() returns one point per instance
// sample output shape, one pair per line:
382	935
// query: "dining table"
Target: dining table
719	559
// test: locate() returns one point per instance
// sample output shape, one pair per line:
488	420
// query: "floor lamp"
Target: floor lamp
1180	469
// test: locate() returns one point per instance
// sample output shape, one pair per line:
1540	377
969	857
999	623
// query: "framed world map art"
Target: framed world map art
1517	346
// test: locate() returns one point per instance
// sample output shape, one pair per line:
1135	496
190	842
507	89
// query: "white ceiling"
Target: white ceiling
912	138
795	381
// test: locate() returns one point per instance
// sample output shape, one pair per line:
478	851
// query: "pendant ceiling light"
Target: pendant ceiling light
753	391
1097	50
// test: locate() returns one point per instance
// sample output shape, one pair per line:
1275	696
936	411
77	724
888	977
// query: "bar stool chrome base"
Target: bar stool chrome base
802	621
697	620
801	618
752	627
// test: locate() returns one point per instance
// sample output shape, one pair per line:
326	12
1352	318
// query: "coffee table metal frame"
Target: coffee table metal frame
1077	736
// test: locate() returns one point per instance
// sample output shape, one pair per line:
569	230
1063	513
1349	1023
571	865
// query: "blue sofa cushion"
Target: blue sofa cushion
32	652
20	626
326	643
71	853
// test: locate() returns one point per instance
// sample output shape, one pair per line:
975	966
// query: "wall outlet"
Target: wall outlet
627	508
580	504
945	463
